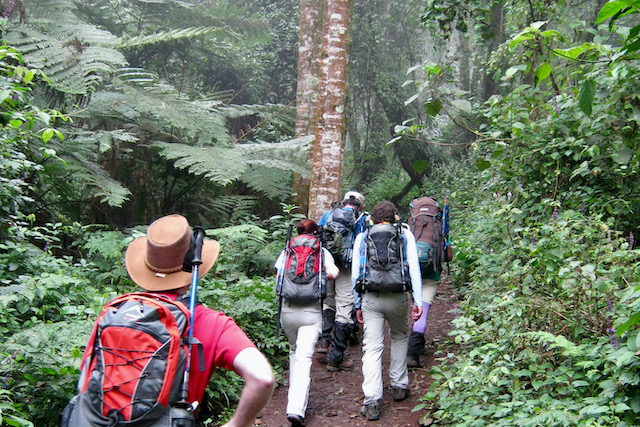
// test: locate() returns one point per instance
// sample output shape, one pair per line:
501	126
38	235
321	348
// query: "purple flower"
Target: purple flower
8	9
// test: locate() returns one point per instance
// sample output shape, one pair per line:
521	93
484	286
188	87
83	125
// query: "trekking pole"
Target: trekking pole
401	251
280	278
362	276
323	289
193	259
445	225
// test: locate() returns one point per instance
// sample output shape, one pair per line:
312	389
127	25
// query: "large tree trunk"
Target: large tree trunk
328	150
309	50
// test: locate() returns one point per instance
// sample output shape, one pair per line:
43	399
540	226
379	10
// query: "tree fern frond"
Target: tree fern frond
136	76
272	182
284	165
248	231
290	155
230	206
74	58
220	165
104	187
190	122
166	36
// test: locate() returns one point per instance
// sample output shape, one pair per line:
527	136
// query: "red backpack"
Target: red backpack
133	367
302	278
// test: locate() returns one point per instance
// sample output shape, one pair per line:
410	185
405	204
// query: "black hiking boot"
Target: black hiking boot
415	347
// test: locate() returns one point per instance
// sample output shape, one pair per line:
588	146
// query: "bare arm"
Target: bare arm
258	378
331	268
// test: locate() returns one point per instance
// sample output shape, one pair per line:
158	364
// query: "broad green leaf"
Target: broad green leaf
420	166
4	94
632	47
525	35
634	320
587	95
433	108
483	164
610	9
623	156
543	71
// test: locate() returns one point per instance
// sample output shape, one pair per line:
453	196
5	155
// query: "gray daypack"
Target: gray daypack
387	269
338	235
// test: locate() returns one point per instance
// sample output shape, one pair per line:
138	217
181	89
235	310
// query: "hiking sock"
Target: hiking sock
338	342
421	324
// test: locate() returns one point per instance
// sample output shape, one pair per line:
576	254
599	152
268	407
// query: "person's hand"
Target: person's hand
416	312
359	316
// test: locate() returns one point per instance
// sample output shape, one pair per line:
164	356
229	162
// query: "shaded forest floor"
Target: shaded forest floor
336	397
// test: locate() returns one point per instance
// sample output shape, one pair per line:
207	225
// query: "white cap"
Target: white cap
359	197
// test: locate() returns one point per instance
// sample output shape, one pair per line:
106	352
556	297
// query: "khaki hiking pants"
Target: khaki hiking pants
376	309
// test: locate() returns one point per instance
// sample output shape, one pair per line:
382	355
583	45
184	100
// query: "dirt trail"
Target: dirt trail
336	397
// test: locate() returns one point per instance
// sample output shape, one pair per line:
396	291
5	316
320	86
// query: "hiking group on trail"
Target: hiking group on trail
152	353
385	268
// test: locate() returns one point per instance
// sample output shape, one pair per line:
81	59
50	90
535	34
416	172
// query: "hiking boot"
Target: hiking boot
323	347
345	365
413	363
371	411
322	358
296	420
414	348
399	393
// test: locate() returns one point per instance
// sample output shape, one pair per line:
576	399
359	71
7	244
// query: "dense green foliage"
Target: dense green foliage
547	326
540	109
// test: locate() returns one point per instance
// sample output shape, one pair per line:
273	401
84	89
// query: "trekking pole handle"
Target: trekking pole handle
198	238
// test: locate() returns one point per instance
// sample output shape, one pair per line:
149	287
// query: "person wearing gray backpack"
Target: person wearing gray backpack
384	271
340	226
303	269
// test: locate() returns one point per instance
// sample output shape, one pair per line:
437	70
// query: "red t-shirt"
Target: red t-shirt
221	340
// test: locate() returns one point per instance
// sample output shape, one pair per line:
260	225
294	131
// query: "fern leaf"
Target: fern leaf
274	183
220	165
74	59
166	36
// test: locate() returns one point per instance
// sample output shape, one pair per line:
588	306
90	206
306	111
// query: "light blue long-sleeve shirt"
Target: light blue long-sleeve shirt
410	252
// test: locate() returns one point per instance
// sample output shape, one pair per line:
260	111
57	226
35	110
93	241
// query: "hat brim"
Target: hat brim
152	281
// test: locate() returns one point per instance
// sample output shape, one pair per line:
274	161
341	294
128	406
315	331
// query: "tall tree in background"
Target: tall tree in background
328	151
309	49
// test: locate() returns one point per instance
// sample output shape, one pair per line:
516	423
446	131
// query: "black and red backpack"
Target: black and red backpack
302	281
133	367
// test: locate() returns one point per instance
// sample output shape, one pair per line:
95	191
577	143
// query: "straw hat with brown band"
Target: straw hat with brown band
154	262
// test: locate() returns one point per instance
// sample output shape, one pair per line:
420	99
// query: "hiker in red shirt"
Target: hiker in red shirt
155	262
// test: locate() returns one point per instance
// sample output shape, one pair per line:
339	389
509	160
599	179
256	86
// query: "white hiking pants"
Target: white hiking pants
302	324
